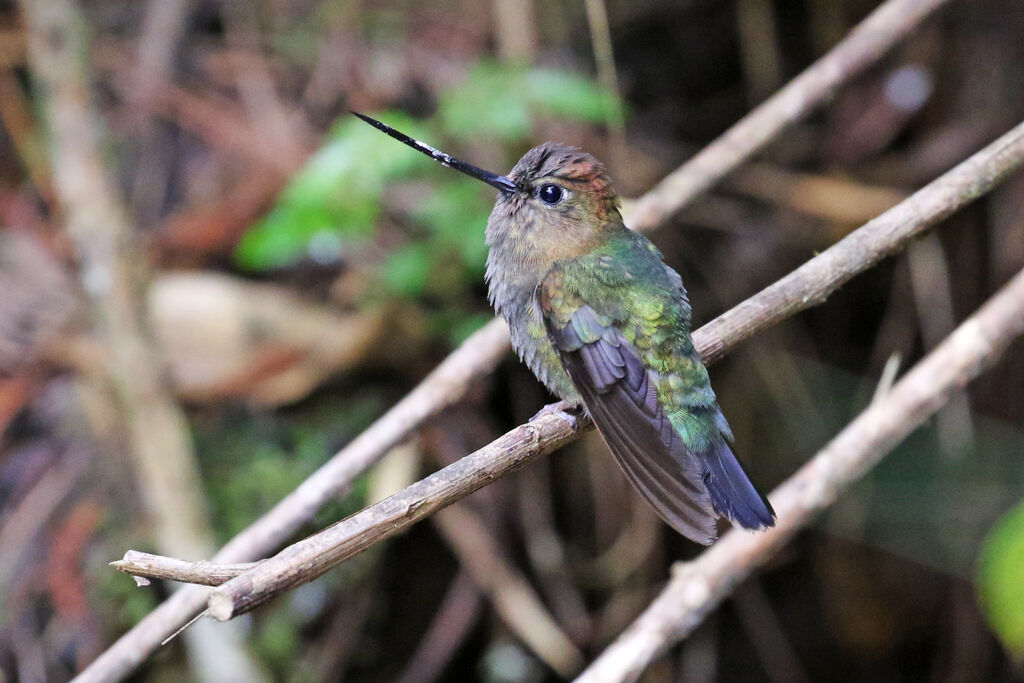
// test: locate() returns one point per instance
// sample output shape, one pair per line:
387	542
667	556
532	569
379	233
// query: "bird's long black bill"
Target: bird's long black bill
501	182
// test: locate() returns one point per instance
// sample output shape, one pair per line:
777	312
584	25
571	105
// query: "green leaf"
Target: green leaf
284	235
1000	580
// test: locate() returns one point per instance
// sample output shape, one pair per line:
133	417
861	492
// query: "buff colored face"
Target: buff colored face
562	205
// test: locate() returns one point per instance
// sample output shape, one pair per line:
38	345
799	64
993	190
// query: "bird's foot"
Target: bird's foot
563	409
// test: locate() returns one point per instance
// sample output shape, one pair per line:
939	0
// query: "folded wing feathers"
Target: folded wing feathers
620	394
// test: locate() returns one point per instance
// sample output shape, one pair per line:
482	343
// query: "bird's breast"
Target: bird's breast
512	293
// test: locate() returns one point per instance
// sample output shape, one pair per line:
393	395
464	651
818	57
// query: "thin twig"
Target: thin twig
149	566
806	286
814	281
699	586
889	372
475	357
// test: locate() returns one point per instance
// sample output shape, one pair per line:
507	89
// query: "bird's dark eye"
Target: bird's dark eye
550	194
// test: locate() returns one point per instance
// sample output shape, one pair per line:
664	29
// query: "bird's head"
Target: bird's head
563	203
556	203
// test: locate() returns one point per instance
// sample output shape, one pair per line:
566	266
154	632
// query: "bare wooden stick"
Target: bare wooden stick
699	586
445	385
149	566
806	286
105	247
862	47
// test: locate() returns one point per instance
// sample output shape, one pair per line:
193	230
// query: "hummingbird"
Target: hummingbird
604	324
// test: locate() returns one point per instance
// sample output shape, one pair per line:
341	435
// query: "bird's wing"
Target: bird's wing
620	394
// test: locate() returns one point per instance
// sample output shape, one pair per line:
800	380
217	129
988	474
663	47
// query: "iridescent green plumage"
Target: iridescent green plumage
618	320
604	323
624	281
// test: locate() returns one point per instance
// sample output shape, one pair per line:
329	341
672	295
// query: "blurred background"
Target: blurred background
295	273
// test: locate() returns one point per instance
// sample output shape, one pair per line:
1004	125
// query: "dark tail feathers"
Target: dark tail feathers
731	491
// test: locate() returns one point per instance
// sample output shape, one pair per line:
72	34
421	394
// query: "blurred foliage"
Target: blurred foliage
1001	580
331	209
252	461
337	194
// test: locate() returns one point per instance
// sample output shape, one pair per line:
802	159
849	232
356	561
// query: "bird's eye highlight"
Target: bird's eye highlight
550	194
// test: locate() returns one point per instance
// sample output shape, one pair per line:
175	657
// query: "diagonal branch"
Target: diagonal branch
806	286
697	587
480	353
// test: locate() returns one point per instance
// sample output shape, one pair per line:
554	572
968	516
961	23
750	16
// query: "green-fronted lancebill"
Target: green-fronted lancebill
605	324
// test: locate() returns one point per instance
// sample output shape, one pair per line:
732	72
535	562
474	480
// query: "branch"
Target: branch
481	352
148	566
806	286
697	587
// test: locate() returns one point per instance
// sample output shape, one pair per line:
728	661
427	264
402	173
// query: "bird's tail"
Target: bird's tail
731	491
